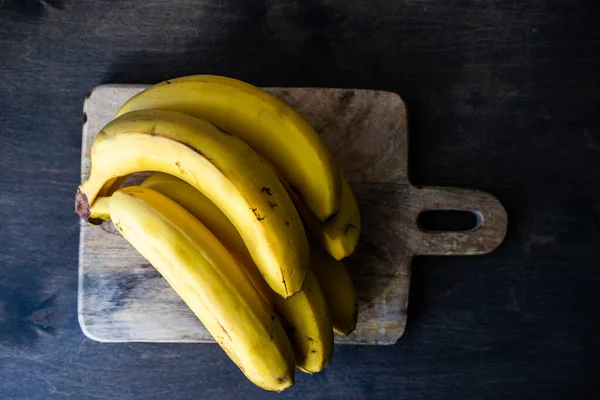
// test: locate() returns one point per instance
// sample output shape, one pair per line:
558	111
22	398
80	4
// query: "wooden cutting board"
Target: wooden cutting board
123	299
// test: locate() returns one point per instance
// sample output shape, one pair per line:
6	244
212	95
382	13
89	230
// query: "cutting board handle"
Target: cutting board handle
483	238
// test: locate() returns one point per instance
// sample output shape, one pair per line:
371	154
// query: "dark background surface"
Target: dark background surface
503	96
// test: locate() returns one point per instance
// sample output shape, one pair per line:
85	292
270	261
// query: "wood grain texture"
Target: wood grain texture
122	298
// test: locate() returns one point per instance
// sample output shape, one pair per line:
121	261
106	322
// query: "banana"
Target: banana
219	165
337	287
339	235
305	316
308	325
267	124
209	280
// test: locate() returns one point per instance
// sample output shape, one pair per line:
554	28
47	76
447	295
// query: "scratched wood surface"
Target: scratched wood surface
122	298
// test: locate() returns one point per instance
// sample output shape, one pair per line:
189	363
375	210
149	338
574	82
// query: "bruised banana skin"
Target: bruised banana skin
209	280
305	316
271	127
219	165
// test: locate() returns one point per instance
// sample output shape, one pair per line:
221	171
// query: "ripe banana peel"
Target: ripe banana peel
305	316
209	280
267	124
219	165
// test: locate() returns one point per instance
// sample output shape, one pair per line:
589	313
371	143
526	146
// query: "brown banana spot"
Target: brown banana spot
284	285
331	217
152	131
257	215
223	131
350	226
224	330
272	205
195	150
267	191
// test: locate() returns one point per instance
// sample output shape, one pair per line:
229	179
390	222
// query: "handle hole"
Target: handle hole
449	220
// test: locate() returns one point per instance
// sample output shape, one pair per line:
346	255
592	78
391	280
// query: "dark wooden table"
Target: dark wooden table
502	95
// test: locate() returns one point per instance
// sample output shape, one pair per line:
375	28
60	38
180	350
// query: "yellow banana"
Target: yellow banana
218	164
337	287
339	235
209	280
267	124
308	325
305	315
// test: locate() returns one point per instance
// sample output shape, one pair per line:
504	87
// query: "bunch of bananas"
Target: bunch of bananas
239	174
